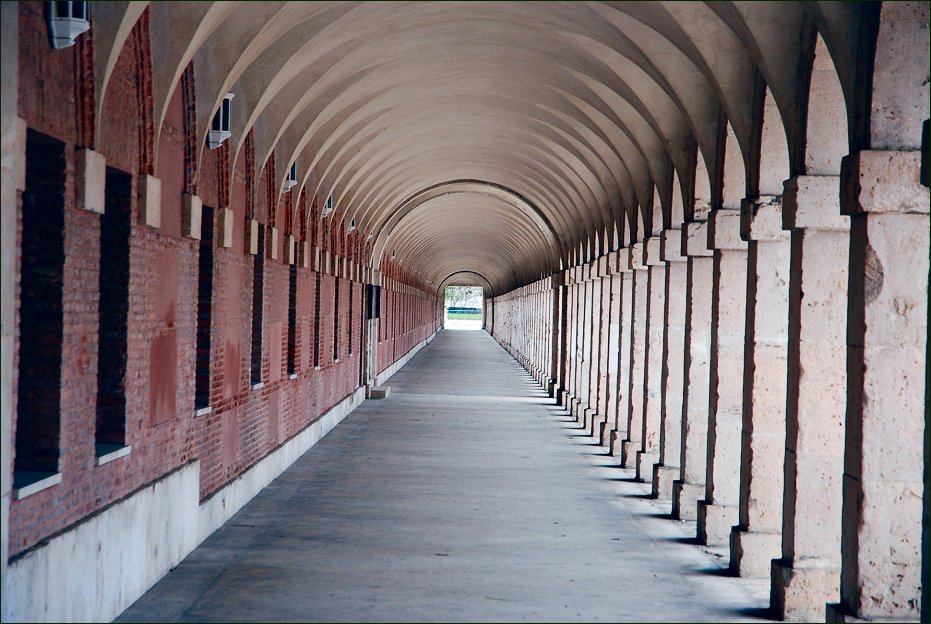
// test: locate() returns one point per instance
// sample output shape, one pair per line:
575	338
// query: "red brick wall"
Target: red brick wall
245	423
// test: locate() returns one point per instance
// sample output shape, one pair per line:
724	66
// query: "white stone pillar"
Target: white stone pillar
717	513
808	574
690	487
638	354
614	356
669	467
572	356
757	539
602	395
653	373
619	436
887	342
589	330
593	320
13	183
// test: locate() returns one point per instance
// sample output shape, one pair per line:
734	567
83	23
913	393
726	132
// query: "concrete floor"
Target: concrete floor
466	495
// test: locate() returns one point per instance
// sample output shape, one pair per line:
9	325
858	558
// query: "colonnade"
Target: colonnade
764	369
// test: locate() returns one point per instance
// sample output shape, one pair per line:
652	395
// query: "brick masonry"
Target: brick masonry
244	424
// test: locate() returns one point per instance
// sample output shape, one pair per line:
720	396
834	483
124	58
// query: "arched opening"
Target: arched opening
463	307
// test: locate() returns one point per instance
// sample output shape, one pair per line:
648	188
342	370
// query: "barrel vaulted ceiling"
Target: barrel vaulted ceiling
487	143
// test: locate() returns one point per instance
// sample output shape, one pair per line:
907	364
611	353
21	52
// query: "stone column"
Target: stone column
757	539
653	373
887	373
670	447
638	355
560	337
556	335
593	354
589	331
690	487
808	574
717	513
572	357
622	392
614	355
603	394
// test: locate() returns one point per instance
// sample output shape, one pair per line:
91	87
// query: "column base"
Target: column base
836	613
629	450
576	408
752	552
714	523
663	478
645	461
562	398
615	440
588	420
685	497
800	594
603	432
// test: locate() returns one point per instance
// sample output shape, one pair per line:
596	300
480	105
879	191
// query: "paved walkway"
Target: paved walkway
466	495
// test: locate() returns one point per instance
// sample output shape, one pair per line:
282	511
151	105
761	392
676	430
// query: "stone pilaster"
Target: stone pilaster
690	487
808	574
620	434
638	354
602	394
653	372
717	513
669	467
612	380
757	539
887	341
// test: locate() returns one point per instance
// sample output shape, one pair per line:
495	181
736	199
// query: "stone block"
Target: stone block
379	392
883	181
90	180
813	202
226	223
271	250
663	478
652	252
14	150
715	523
253	237
752	552
149	201
291	249
695	240
629	450
645	462
761	219
673	243
685	498
724	230
191	214
637	256
799	594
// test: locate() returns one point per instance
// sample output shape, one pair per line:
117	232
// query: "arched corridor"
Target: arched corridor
467	496
701	228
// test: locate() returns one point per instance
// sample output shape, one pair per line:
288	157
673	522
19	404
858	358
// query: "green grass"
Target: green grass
464	316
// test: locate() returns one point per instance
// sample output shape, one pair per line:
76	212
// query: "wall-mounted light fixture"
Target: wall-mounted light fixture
291	179
67	20
327	206
220	127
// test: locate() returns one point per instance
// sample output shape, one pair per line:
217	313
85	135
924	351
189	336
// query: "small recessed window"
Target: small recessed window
67	20
291	178
220	127
327	206
352	226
